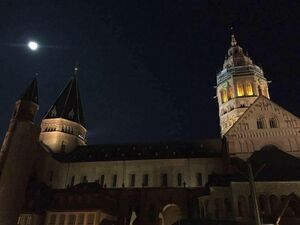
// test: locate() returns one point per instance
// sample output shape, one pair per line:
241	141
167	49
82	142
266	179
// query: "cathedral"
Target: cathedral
50	175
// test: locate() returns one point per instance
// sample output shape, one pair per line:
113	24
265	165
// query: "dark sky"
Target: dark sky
147	68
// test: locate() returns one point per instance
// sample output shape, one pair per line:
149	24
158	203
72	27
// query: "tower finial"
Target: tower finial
233	40
76	68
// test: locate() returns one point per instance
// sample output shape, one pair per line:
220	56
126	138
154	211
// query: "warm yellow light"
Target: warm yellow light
230	92
224	95
240	89
248	88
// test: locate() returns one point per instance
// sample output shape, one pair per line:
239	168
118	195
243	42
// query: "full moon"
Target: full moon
33	45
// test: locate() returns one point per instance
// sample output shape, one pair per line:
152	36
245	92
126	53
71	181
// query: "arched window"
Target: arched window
230	92
273	123
248	88
240	89
224	96
261	123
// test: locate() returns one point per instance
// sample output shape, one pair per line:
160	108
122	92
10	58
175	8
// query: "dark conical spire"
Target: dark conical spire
68	104
31	93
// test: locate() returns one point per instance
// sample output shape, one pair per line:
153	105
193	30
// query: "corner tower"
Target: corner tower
18	154
238	85
63	126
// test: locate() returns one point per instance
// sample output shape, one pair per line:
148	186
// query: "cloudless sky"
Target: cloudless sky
147	68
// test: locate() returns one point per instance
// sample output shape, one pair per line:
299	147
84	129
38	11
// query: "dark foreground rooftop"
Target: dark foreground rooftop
168	150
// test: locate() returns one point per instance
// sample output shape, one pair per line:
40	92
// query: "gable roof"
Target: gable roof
68	104
260	98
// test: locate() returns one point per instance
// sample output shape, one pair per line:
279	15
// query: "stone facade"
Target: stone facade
117	174
62	135
52	177
264	123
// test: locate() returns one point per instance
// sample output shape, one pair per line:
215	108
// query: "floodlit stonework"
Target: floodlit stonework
238	85
50	175
264	123
62	135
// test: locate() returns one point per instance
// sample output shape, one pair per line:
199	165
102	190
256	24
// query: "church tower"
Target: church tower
238	85
18	154
63	127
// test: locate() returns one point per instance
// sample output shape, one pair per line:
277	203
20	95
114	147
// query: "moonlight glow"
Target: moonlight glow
33	45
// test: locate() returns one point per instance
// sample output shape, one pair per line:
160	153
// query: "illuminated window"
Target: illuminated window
61	220
248	88
230	92
273	123
224	96
240	90
261	123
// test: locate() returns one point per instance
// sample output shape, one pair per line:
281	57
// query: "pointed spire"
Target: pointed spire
31	92
233	40
68	104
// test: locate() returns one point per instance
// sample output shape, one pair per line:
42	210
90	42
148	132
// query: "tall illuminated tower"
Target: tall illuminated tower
238	85
63	127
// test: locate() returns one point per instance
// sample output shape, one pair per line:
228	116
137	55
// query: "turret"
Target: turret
27	105
63	126
25	110
238	85
18	154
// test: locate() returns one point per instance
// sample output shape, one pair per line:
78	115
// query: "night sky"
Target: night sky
147	68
